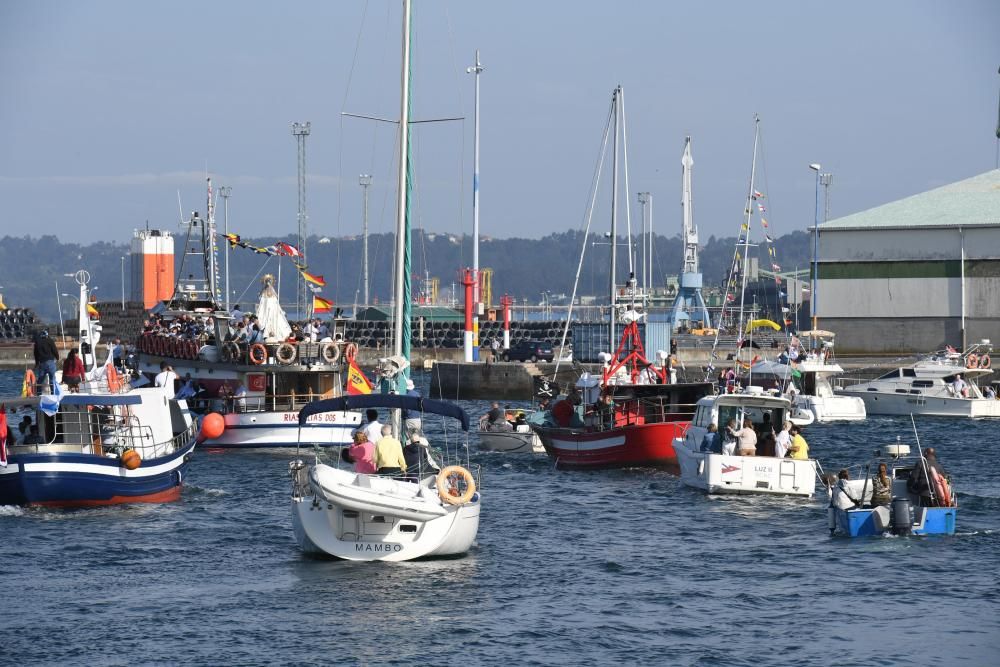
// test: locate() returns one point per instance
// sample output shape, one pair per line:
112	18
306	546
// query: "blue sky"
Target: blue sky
110	108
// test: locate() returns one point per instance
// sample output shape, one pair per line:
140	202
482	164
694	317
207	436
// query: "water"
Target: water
582	568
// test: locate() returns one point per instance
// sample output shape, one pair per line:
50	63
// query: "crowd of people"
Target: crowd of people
74	373
746	439
919	483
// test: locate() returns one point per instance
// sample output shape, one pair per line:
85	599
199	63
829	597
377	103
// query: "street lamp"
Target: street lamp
815	272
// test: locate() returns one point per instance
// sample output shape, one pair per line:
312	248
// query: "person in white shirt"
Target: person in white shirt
959	387
372	429
166	378
783	440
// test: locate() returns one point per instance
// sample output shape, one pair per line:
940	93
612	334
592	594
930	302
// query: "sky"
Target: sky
111	112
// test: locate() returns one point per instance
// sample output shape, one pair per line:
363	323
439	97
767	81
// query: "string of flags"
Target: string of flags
281	249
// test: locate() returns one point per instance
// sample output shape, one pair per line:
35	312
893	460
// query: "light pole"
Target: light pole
225	192
365	180
476	69
815	272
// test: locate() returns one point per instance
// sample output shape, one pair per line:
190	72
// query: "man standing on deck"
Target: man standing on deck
46	355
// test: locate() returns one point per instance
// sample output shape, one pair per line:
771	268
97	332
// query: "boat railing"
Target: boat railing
254	404
638	411
97	432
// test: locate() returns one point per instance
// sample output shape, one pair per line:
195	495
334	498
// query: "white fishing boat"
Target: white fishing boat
355	516
732	474
767	409
520	439
257	387
943	384
432	509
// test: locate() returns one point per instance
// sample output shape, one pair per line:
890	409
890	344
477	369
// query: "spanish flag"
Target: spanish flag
357	383
92	311
321	305
315	280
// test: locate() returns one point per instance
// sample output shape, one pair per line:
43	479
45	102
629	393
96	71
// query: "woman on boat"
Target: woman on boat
362	454
747	439
73	371
783	440
881	487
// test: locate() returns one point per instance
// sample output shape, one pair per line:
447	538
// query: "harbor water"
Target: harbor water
582	568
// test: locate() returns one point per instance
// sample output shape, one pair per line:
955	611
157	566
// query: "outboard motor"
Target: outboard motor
902	523
831	518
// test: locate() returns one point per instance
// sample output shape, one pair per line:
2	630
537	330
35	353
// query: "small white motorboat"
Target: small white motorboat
355	516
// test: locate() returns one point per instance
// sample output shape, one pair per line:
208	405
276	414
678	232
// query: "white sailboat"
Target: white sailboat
720	473
428	512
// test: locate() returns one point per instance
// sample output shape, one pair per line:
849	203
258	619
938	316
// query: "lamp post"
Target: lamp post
815	272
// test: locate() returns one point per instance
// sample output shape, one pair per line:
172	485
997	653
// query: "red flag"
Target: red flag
321	305
288	249
315	280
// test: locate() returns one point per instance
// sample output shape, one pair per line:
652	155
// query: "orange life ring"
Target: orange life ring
941	489
29	382
447	485
351	351
985	361
971	361
257	354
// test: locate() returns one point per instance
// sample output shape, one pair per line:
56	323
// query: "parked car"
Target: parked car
529	350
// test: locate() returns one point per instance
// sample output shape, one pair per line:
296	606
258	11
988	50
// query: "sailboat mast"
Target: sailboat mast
746	229
401	322
616	101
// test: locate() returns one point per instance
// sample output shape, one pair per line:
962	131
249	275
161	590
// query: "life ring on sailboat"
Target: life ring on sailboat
285	354
350	351
985	361
29	382
330	353
941	488
972	361
447	485
257	354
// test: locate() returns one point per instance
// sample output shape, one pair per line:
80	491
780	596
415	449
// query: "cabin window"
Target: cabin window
891	375
922	383
909	373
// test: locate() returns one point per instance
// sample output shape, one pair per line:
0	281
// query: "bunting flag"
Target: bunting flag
92	311
321	305
314	289
760	207
315	280
265	251
763	223
233	239
288	250
757	194
357	383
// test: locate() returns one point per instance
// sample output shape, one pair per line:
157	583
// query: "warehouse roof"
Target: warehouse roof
974	202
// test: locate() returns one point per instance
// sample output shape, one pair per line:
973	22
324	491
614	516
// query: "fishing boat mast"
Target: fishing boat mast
616	102
745	235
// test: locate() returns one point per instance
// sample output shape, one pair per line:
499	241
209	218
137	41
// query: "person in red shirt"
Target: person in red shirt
562	412
73	372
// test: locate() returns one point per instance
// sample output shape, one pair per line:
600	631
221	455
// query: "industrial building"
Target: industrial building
916	274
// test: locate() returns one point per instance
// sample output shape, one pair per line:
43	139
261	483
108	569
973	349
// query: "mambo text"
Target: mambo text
324	417
378	547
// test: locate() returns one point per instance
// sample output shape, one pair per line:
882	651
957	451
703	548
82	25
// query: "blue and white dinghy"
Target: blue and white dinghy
898	494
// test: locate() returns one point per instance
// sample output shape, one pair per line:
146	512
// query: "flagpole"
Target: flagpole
279	282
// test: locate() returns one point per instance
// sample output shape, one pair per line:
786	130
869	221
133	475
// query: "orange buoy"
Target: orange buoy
212	426
131	459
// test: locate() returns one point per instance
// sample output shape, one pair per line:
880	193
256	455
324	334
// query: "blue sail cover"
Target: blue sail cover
400	401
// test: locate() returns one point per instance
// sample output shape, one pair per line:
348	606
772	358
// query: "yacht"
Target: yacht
943	384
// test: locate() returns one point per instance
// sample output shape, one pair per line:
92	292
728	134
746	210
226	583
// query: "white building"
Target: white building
916	274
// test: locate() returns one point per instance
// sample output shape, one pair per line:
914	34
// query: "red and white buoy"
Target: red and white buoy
506	302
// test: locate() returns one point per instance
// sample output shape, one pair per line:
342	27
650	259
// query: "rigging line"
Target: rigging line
250	284
588	217
628	198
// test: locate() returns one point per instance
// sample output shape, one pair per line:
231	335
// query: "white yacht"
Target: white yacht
944	384
731	474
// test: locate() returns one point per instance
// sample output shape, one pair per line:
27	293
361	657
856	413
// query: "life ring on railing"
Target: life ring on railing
447	485
285	354
972	361
330	353
985	361
351	351
29	382
257	354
